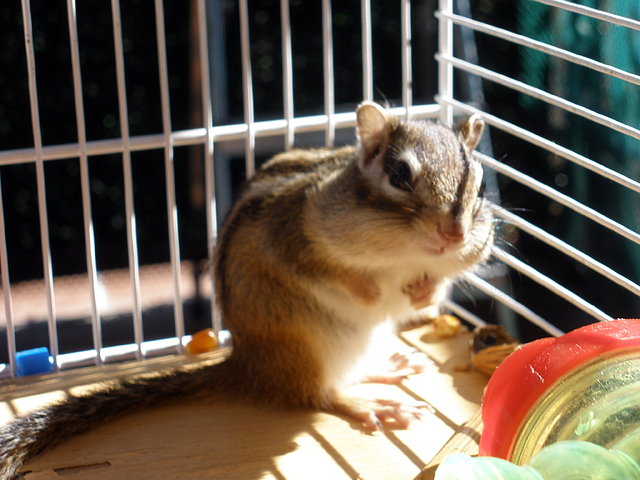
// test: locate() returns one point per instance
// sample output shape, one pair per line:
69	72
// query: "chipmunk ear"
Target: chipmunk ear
471	132
372	130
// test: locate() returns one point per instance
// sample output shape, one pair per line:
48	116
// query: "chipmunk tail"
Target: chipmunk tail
33	433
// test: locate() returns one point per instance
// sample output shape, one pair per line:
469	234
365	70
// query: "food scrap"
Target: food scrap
202	341
489	346
446	326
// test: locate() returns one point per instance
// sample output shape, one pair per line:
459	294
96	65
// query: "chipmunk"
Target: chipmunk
321	248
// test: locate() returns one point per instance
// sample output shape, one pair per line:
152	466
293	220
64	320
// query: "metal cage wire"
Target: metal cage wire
449	62
209	136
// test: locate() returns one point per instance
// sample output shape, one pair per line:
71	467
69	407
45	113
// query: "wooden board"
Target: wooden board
465	441
216	439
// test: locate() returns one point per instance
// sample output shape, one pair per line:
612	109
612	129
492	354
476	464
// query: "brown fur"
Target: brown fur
315	236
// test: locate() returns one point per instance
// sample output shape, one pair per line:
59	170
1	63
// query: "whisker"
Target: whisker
465	288
520	209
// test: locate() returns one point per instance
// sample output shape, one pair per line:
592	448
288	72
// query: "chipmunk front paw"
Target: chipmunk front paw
421	292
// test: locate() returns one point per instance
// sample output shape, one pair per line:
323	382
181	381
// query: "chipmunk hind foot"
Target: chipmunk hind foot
376	414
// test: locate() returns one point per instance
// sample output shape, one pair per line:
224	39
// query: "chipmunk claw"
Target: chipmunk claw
400	366
377	414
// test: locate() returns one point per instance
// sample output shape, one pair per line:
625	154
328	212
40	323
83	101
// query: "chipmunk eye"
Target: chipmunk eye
400	176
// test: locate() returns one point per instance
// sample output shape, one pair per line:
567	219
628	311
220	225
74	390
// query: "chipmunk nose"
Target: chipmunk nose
452	231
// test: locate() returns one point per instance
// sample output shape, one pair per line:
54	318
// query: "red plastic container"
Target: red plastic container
531	371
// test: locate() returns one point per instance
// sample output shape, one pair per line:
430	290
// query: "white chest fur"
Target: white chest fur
355	331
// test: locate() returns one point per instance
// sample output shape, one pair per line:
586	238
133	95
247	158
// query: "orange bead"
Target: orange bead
202	341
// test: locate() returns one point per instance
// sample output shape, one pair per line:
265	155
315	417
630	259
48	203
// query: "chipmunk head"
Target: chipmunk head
425	178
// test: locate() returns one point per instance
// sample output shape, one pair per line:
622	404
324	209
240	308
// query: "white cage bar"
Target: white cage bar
90	246
172	210
132	242
241	138
448	60
327	72
42	202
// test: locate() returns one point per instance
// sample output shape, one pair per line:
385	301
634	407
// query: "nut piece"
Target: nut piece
489	346
446	326
489	336
488	359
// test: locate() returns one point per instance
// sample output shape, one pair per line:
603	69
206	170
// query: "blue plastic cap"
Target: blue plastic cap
33	362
